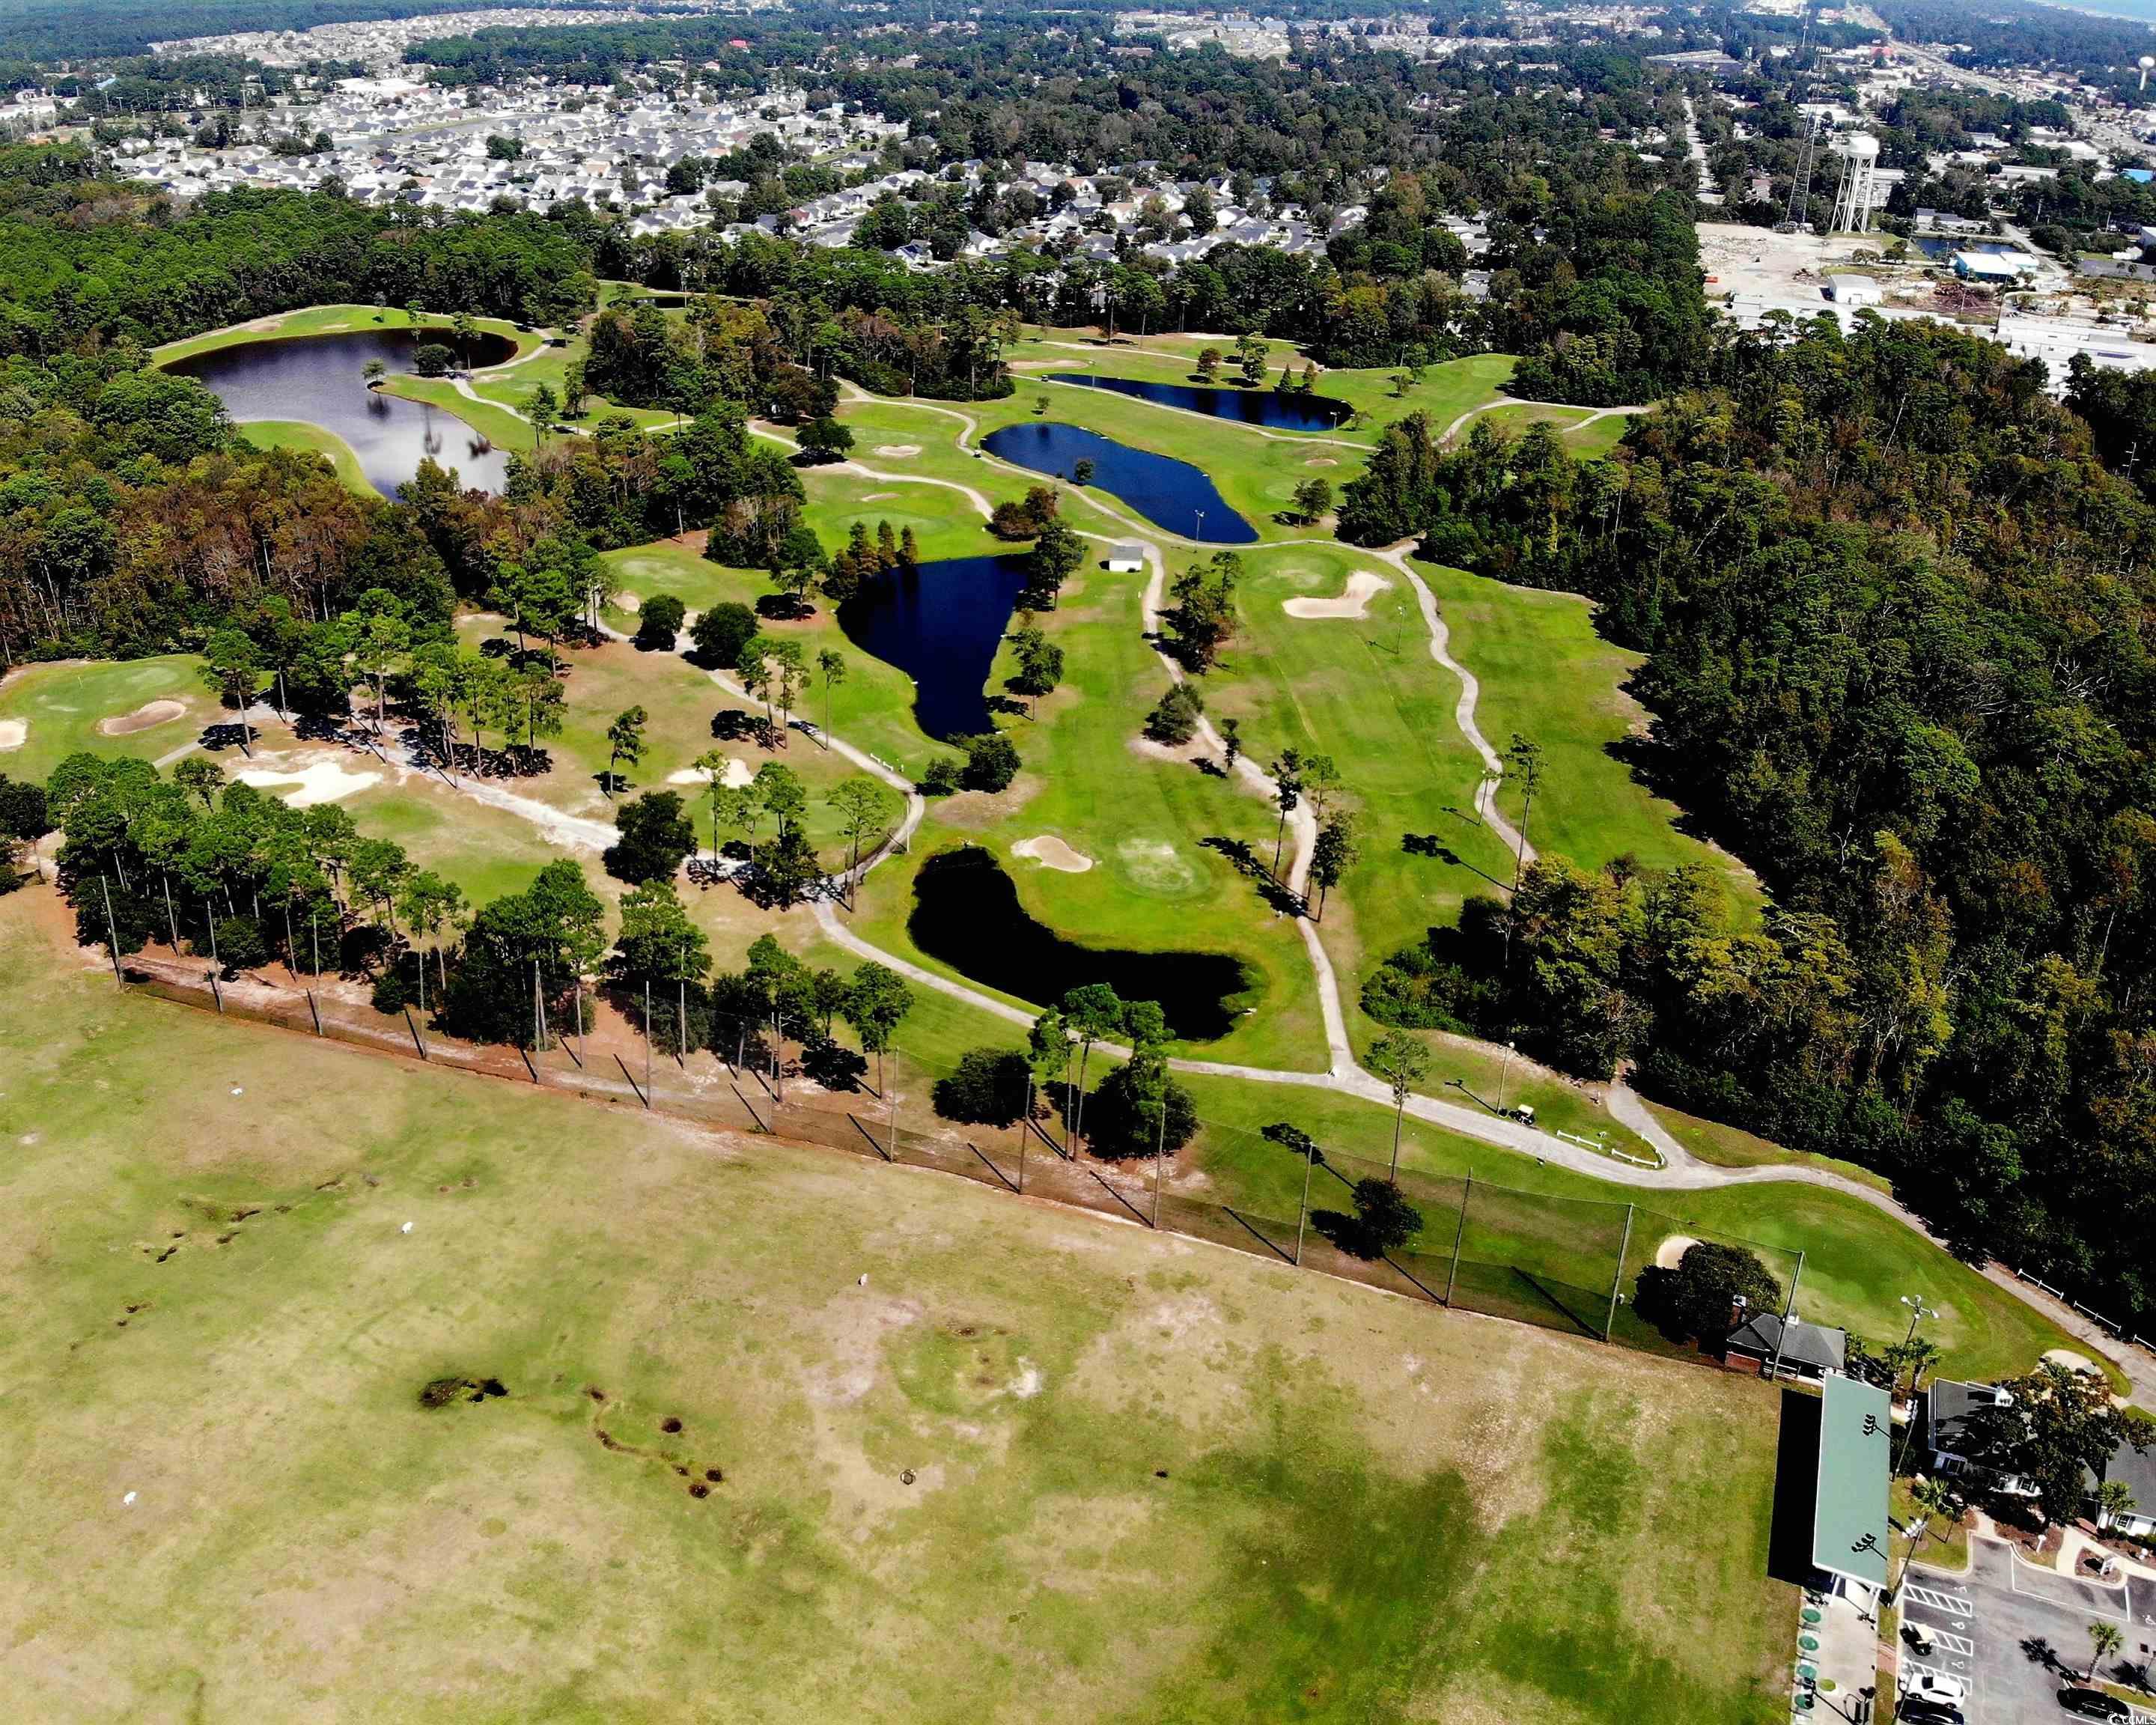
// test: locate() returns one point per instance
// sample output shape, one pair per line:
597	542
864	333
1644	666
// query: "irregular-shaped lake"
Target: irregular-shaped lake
966	912
1274	409
318	379
1169	493
941	626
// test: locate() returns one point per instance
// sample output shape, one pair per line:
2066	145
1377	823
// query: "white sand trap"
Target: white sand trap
14	733
1355	602
2071	1361
1052	853
898	451
318	782
145	718
1320	461
1667	1254
737	774
878	496
628	602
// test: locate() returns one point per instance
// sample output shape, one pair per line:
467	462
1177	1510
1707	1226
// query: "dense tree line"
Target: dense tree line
1899	614
88	259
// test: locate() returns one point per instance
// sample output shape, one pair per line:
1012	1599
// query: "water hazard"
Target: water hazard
966	912
318	379
1169	493
1274	409
941	625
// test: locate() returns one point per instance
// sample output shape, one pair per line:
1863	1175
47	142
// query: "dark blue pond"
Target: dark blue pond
966	912
1266	407
1170	493
318	379
941	626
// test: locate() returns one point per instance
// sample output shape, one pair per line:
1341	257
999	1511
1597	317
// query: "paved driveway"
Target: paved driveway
2016	1635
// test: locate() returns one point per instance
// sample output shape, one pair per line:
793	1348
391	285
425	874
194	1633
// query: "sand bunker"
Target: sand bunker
2071	1361
317	782
737	774
1355	602
878	496
1320	461
143	718
1667	1254
899	451
14	733
1051	852
628	602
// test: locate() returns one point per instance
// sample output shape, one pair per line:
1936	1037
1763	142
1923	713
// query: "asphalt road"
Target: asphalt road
2017	1634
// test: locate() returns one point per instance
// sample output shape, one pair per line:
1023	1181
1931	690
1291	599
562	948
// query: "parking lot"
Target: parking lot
2016	1635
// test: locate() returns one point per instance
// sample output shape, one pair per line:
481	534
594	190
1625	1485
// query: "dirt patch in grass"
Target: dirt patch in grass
449	1392
898	452
14	733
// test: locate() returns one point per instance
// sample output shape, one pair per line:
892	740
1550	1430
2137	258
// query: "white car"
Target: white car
1920	1682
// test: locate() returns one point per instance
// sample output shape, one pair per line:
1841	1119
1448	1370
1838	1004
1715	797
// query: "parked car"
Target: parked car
1927	1712
2094	1704
1921	1684
1919	1639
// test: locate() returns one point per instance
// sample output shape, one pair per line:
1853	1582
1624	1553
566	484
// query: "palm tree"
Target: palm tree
1933	1501
374	370
2106	1639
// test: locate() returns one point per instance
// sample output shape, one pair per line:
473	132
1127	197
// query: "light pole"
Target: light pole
1200	533
1504	1077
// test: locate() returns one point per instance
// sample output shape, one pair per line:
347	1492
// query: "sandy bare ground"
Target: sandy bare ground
628	602
1670	1250
1355	602
147	716
319	779
14	733
898	451
737	774
1051	852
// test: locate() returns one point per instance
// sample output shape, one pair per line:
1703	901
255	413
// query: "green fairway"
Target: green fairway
1546	673
497	424
962	1457
1444	392
298	435
62	707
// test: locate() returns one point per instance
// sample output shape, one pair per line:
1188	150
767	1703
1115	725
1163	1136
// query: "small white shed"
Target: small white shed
1125	559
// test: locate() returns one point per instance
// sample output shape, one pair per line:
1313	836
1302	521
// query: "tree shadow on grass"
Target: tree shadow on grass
1247	863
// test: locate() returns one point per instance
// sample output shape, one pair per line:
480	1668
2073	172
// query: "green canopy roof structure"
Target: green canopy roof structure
1849	1520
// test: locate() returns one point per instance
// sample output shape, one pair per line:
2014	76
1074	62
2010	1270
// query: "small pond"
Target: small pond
941	626
1269	407
1170	493
966	912
317	379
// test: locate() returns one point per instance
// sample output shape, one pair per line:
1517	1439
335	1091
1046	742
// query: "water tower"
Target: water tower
1860	182
2148	61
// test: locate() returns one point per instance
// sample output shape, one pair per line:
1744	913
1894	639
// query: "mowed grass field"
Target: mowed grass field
1039	1467
61	705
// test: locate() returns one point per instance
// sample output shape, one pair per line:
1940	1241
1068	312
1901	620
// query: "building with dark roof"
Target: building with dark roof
1807	1350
